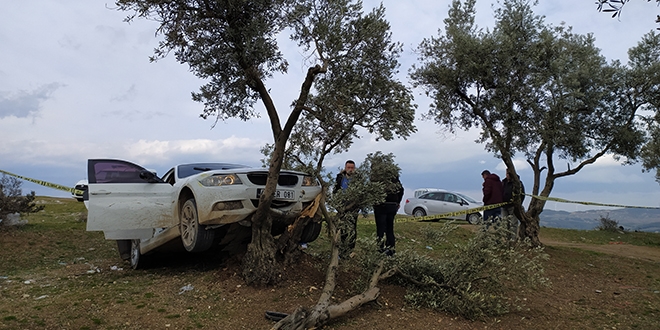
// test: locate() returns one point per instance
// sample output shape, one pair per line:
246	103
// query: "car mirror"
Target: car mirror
150	177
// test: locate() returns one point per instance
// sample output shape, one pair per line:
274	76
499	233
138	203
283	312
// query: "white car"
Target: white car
81	186
440	201
192	202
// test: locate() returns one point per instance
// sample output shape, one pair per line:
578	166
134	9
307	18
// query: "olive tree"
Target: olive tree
234	46
616	7
534	90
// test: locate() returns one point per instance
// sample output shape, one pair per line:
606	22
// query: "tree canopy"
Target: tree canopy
537	91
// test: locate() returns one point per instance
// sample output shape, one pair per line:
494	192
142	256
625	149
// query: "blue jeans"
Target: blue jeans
492	213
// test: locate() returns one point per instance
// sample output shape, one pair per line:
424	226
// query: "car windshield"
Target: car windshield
187	170
467	198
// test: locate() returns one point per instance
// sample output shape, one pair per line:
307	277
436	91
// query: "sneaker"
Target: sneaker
303	246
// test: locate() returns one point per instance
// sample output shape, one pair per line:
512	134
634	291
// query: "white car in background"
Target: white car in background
438	201
192	202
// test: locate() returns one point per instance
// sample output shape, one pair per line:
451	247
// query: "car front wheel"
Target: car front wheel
195	237
419	212
473	218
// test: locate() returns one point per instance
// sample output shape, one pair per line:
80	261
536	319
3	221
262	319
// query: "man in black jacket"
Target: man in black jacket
384	214
512	192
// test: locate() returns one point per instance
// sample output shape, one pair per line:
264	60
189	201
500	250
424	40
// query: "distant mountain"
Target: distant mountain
631	219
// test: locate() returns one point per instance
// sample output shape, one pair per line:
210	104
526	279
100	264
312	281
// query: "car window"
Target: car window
439	196
169	176
467	198
450	198
113	171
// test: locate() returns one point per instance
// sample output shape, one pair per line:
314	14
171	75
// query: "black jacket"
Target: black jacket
395	197
508	190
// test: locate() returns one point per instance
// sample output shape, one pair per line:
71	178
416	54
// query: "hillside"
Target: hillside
631	219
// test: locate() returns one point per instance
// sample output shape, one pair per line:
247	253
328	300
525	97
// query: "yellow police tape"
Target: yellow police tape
561	200
488	207
46	184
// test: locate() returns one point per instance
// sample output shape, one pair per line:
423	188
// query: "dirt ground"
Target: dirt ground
616	288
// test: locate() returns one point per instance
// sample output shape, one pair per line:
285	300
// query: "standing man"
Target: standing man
348	214
384	214
512	193
492	189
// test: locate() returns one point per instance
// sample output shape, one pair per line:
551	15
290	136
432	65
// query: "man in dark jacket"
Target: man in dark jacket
492	189
384	214
347	215
512	193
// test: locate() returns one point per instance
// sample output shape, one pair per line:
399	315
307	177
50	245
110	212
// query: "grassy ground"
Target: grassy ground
56	275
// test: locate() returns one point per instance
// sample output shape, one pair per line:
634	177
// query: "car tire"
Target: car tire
195	237
311	232
138	261
473	218
419	212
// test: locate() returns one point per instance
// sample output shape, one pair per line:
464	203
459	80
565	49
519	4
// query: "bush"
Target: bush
11	200
482	277
607	224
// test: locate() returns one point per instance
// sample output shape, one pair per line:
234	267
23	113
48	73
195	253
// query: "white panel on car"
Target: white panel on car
127	206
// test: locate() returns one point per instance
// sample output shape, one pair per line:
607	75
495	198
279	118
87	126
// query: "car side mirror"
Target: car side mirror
150	177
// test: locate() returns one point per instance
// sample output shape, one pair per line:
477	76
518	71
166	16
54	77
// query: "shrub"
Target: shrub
481	277
607	224
11	200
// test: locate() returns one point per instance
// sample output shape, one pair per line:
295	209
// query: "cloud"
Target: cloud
25	104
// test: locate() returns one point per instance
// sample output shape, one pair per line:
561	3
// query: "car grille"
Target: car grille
284	180
275	204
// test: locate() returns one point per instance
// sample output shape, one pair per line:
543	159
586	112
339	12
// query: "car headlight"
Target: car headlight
309	181
220	180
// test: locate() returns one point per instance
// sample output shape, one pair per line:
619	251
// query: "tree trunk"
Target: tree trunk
529	228
259	264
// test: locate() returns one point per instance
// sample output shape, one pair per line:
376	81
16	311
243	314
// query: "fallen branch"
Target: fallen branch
303	318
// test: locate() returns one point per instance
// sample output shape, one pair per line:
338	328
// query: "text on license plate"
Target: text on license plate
280	193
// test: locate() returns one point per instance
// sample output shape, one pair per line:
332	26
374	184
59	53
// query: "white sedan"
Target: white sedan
141	211
440	201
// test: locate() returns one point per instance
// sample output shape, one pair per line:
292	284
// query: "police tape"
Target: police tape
561	200
46	184
493	206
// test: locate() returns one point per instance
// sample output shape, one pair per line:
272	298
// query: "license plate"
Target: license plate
280	194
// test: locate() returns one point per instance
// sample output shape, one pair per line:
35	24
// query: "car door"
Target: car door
433	202
127	201
453	204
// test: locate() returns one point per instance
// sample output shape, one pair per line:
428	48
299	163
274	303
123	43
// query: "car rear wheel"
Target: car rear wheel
195	237
419	212
473	218
138	261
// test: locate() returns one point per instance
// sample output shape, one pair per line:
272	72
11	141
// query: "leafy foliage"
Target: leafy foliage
477	278
11	199
607	224
616	7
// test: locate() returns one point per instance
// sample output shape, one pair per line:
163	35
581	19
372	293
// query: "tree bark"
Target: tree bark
259	264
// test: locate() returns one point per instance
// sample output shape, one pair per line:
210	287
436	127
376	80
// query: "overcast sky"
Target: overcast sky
76	83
